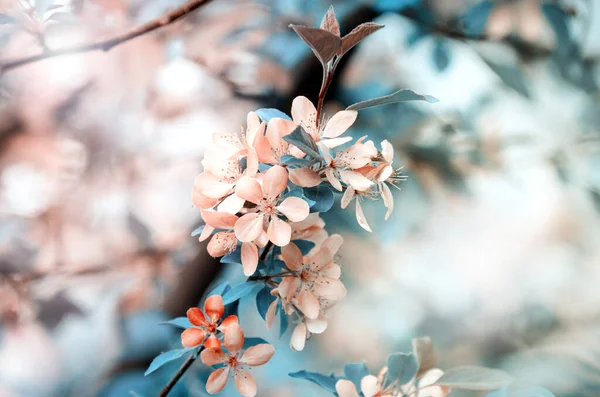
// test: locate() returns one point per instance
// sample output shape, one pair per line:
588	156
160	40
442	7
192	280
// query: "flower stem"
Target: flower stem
186	365
327	79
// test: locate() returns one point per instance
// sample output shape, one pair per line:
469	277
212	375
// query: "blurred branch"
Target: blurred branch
108	44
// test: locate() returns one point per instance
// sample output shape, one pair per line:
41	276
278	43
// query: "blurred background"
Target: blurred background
493	249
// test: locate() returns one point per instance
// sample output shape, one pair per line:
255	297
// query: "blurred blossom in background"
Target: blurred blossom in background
493	249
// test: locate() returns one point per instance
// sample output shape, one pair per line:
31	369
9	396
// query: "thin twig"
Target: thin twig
182	370
108	44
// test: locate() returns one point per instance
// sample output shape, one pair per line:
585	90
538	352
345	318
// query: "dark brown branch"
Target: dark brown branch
182	370
108	44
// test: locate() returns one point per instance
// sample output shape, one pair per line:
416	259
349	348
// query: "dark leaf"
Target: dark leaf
474	378
220	289
354	372
322	196
166	357
402	367
557	18
249	342
357	34
330	22
283	322
263	301
324	381
398	96
304	245
425	353
324	44
476	18
233	257
303	141
441	58
241	290
288	159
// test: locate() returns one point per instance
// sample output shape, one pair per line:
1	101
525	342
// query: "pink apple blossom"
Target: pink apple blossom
271	146
236	362
203	327
304	114
267	196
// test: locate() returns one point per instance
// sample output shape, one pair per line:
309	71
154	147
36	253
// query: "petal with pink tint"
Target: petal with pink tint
329	288
335	142
262	240
232	204
347	197
370	386
221	243
320	259
192	337
332	179
206	232
360	217
274	182
346	388
249	258
304	114
258	355
332	270
212	341
219	220
208	185
339	123
270	316
288	287
333	243
249	189
298	339
277	129
387	151
217	380
228	322
309	303
305	177
201	201
294	208
279	232
196	317
356	180
317	325
249	227
251	162
385	173
213	356
234	338
213	307
388	199
245	383
292	256
264	151
253	127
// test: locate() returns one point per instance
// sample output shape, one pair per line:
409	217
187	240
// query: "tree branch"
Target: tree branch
186	365
109	43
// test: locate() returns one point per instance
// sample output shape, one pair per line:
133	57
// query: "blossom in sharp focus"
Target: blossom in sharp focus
342	167
266	197
205	330
304	114
315	277
236	362
271	146
224	242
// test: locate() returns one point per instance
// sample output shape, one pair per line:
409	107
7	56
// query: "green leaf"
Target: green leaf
263	301
324	381
325	45
402	367
241	290
398	96
303	141
425	354
355	372
166	357
475	378
249	342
